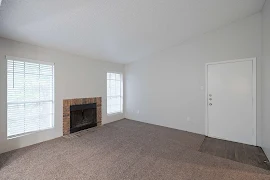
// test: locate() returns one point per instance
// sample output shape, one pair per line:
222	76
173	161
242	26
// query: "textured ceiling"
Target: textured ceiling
116	30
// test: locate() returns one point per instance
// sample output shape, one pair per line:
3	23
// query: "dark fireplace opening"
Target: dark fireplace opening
83	117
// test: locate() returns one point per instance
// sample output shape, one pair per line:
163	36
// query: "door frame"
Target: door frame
254	100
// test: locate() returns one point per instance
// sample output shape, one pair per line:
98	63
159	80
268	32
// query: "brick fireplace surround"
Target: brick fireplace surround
66	110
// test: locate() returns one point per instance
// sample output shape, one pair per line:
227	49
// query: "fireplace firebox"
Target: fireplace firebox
83	117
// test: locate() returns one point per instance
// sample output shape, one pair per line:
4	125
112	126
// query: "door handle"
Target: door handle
210	104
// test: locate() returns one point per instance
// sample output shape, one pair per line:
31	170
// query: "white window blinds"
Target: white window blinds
30	96
114	93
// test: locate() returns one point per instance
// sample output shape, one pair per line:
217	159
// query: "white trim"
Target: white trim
28	60
254	101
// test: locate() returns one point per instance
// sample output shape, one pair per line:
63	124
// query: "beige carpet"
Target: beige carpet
124	150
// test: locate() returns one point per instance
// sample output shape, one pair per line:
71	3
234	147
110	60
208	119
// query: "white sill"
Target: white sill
26	134
115	114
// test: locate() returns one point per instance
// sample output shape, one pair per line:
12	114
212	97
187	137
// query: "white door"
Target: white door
230	101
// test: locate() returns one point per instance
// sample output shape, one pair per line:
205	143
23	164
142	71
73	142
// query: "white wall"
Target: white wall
266	79
165	89
75	77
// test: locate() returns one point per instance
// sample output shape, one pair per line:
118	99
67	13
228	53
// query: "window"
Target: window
114	93
30	96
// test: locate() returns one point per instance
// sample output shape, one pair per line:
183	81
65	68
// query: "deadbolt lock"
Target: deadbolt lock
210	104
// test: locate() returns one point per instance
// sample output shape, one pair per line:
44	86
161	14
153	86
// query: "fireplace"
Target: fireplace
81	113
83	117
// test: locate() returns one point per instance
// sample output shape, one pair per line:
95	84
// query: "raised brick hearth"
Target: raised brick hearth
69	102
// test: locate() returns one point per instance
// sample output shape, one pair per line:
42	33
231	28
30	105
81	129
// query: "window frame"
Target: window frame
53	95
121	93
